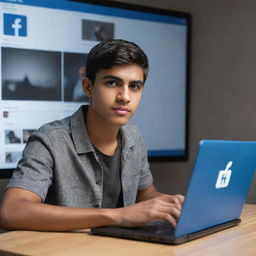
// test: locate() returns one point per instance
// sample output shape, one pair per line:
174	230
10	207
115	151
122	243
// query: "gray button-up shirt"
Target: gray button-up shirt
60	164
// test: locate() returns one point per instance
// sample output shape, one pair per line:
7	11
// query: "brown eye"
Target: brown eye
112	83
135	87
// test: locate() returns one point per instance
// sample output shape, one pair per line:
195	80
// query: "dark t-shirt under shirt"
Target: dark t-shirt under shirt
112	188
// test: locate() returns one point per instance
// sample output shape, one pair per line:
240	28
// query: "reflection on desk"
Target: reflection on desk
236	241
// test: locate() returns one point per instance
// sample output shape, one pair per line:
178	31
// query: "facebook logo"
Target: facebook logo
15	25
224	176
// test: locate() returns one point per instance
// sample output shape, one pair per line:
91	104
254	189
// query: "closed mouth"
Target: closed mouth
121	109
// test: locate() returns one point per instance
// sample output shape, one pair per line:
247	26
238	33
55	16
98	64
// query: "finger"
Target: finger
169	201
168	198
175	213
180	198
173	198
166	206
177	203
170	209
169	218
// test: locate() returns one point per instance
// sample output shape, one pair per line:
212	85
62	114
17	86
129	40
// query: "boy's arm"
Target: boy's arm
148	193
22	209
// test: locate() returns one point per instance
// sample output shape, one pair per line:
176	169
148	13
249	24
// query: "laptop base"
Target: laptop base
139	234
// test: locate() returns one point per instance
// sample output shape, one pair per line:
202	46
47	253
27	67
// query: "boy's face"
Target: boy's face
116	93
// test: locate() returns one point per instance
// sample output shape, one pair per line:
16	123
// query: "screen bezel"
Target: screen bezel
7	173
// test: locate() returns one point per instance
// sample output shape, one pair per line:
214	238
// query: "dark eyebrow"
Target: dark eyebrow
121	80
113	77
137	82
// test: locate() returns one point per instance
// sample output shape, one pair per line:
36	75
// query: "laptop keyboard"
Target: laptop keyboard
158	228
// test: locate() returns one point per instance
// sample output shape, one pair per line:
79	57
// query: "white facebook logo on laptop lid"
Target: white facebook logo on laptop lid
224	176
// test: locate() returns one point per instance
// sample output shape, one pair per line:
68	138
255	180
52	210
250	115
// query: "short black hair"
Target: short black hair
110	53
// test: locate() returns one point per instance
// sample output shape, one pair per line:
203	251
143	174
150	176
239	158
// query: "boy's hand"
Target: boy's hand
162	207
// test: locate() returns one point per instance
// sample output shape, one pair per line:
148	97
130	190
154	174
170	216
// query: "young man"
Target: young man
91	169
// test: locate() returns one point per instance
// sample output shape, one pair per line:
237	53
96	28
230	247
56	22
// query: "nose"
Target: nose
123	95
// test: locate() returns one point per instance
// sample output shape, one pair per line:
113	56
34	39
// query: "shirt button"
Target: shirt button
98	182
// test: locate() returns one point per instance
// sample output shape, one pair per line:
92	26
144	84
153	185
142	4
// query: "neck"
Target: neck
102	135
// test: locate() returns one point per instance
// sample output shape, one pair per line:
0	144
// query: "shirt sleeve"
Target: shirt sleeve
146	178
34	170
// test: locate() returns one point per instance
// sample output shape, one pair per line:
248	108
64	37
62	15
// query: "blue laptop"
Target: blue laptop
217	191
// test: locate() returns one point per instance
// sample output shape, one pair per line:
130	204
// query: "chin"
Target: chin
120	123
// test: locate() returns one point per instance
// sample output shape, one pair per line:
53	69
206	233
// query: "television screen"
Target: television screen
44	45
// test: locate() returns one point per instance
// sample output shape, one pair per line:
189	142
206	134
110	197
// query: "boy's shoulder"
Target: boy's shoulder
54	129
131	133
130	128
63	124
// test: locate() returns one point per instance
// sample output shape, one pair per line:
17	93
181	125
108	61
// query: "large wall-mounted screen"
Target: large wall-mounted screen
44	45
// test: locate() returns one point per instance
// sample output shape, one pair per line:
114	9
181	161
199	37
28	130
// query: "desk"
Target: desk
236	241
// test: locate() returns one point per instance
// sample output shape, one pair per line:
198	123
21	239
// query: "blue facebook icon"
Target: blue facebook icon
15	25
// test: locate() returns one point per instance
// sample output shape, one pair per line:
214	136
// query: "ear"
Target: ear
87	86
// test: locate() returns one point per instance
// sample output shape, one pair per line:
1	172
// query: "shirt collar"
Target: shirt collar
127	135
79	132
81	138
